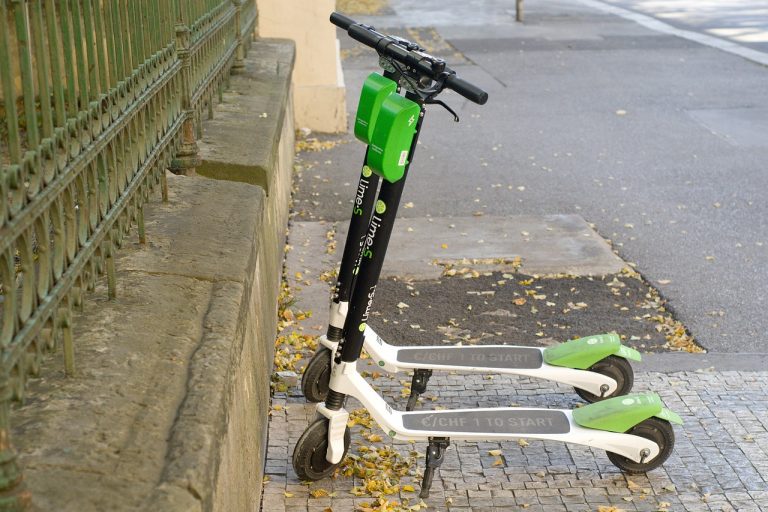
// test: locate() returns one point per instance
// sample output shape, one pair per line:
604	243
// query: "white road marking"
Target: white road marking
660	26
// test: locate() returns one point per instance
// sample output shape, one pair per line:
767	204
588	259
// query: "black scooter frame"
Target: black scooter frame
369	269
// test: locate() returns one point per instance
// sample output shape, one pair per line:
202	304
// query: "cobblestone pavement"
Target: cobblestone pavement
720	462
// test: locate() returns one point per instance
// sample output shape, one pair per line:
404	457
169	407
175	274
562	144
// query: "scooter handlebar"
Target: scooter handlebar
466	89
387	46
365	36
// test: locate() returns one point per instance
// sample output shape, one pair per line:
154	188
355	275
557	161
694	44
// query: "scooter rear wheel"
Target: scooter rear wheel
317	376
309	460
616	368
654	429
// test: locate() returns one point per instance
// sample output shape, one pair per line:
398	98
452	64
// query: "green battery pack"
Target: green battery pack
375	90
392	137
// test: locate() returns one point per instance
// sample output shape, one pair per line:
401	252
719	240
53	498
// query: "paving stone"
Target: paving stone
712	468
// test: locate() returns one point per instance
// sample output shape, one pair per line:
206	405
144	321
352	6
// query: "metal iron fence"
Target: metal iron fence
98	98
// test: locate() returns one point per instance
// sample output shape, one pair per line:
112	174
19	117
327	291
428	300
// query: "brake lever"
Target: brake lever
431	101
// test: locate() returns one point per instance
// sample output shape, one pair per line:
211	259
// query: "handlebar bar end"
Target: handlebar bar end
342	21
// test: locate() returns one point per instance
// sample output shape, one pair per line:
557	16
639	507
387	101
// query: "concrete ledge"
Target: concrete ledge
156	386
251	139
241	142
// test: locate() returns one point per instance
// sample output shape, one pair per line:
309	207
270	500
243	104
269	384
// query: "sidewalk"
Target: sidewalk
720	462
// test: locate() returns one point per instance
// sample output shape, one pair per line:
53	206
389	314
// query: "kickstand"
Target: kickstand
435	454
418	386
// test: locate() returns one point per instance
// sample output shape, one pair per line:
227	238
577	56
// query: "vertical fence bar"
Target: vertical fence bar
81	66
43	72
111	272
93	71
27	80
68	51
65	324
240	52
187	158
54	47
9	92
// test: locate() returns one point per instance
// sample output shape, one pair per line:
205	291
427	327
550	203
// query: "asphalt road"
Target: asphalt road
655	140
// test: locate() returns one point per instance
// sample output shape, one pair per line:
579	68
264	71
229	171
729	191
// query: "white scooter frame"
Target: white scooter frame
500	359
346	379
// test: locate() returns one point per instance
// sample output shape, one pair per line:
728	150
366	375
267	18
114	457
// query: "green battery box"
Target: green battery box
375	90
392	137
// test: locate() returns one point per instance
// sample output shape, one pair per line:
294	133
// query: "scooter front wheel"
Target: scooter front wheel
309	460
654	429
317	376
616	368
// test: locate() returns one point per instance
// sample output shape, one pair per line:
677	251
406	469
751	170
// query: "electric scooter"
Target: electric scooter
636	430
596	366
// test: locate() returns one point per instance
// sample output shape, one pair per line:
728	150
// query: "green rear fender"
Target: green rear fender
623	412
582	353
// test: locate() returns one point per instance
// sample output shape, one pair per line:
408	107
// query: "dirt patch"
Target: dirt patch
504	308
368	7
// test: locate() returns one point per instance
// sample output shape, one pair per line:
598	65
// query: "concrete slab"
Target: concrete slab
241	142
709	362
549	244
175	245
308	263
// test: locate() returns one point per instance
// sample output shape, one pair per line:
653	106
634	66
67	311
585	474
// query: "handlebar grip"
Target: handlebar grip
363	35
466	89
342	21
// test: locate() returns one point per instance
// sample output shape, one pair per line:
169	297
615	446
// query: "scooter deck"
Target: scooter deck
499	421
492	357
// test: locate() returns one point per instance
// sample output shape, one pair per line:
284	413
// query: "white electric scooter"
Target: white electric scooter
635	430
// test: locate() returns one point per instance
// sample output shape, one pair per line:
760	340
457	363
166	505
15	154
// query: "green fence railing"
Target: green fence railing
97	99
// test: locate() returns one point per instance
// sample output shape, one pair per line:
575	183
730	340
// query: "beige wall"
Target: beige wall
319	92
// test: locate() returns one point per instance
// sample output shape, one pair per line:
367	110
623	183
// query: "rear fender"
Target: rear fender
582	353
621	413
